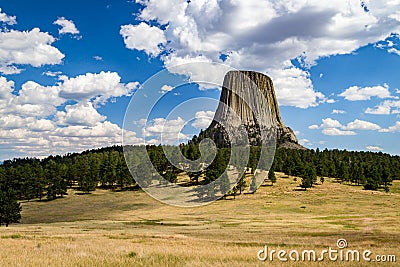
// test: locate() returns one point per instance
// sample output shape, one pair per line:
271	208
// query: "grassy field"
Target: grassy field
132	229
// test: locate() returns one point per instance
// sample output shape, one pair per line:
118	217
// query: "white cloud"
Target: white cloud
42	125
132	86
7	70
394	51
98	87
203	119
30	122
11	121
335	131
380	110
374	148
391	129
338	111
362	125
143	37
330	123
209	28
67	26
98	58
385	108
304	142
166	88
295	88
33	100
199	69
395	16
34	93
79	114
27	48
356	93
165	131
333	127
9	20
52	73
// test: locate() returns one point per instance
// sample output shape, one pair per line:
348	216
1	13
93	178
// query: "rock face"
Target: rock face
252	97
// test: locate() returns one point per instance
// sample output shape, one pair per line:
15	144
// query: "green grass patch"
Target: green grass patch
132	254
13	236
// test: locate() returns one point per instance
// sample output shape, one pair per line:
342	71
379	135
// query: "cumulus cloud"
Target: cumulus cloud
165	131
79	114
67	26
34	93
36	123
374	148
277	32
385	108
203	119
391	129
331	127
27	48
338	111
330	123
52	73
295	88
335	131
304	142
143	37
166	88
356	93
6	19
98	87
362	125
334	127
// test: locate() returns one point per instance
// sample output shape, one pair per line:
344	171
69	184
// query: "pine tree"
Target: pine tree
241	185
305	182
224	184
10	209
311	174
271	176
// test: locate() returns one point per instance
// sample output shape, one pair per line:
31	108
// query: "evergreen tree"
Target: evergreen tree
305	182
241	185
224	184
311	174
271	176
10	209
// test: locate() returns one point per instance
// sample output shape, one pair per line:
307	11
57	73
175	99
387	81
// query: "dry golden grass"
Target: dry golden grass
132	229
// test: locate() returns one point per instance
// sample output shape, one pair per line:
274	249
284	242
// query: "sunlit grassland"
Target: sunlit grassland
132	229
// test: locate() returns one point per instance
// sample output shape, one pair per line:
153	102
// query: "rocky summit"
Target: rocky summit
250	96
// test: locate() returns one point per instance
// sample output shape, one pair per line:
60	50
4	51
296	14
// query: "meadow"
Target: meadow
130	228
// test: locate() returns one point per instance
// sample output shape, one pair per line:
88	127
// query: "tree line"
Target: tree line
370	169
106	168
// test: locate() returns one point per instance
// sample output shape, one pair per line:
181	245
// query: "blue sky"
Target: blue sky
68	70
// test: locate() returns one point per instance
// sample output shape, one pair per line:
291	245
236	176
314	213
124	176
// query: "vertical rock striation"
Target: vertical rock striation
251	96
